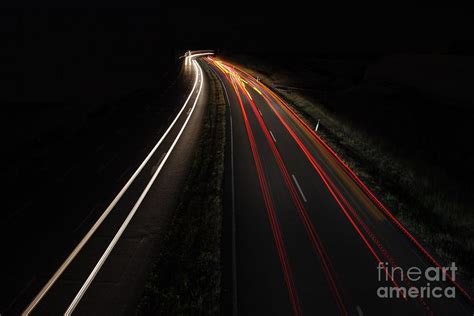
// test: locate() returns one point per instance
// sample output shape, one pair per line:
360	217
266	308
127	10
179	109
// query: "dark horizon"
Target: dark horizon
324	30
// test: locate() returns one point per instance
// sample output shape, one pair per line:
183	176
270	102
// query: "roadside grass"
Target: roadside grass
186	278
423	197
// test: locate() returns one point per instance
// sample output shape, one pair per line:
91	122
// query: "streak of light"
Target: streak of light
124	225
44	290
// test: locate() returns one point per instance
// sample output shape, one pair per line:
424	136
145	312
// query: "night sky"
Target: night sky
252	26
322	29
87	51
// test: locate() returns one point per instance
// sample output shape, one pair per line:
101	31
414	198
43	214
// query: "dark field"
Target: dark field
71	81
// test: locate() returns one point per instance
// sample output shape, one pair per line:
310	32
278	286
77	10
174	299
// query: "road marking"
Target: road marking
299	188
260	112
104	215
359	311
234	230
124	225
272	136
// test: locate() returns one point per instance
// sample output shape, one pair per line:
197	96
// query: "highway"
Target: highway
307	234
104	271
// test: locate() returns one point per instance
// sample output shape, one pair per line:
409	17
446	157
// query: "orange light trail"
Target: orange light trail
309	227
349	212
359	182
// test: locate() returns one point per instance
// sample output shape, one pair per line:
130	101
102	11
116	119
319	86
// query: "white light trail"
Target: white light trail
111	206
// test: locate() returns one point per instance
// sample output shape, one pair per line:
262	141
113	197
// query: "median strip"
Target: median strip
186	277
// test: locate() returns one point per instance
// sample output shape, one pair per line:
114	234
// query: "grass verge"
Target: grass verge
186	279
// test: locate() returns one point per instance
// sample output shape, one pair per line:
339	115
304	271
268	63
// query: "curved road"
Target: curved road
308	237
104	269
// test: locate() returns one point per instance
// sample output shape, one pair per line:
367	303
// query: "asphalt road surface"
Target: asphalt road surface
308	236
87	260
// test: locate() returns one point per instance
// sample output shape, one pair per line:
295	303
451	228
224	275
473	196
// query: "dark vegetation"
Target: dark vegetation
72	81
186	279
404	123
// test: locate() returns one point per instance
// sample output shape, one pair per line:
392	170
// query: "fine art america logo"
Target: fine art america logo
420	283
